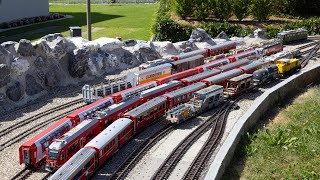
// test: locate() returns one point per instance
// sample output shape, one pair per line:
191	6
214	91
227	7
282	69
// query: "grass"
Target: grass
286	148
130	21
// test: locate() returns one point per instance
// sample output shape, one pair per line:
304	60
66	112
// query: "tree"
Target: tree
261	9
241	8
222	9
201	9
183	8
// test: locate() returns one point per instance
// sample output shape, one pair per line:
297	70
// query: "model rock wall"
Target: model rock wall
28	69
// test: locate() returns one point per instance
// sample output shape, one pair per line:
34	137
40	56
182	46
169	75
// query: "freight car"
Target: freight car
293	35
288	66
265	74
203	100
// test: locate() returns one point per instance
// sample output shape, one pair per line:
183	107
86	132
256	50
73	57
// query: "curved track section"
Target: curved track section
207	149
176	155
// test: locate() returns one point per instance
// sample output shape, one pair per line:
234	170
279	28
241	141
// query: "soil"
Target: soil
247	22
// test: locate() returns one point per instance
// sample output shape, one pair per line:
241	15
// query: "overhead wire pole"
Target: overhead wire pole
89	20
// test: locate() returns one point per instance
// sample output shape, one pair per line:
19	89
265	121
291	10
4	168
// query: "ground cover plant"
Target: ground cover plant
286	148
132	21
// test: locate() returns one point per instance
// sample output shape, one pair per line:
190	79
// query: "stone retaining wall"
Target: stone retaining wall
279	93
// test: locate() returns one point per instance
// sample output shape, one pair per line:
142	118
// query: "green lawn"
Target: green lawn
130	21
287	148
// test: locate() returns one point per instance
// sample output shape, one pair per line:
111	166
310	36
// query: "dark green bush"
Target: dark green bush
183	7
222	9
201	9
261	9
241	8
214	28
311	24
271	31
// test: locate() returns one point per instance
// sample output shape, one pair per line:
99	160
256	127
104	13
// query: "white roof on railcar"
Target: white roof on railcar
74	164
146	106
59	143
185	90
162	66
109	133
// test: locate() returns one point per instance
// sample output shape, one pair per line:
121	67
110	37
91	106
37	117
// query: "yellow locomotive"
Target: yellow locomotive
288	66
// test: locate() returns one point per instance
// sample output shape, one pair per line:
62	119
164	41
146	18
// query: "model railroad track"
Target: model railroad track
312	53
134	158
37	116
40	125
47	176
198	164
166	168
23	174
307	45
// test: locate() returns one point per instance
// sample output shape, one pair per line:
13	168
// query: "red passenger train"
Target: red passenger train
33	151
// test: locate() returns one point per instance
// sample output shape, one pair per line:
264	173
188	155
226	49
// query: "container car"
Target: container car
150	74
188	63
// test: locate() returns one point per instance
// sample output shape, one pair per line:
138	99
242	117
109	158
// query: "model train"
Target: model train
209	93
33	152
293	35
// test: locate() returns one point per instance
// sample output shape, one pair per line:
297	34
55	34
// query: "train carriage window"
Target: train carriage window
210	99
140	118
216	98
179	99
184	97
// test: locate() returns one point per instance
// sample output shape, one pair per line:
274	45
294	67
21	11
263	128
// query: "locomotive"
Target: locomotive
293	35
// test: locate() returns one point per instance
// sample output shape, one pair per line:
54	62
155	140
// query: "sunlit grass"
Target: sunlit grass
129	21
287	148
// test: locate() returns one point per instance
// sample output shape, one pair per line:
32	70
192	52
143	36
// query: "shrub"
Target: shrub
311	24
214	28
261	9
241	8
222	9
183	7
201	9
271	31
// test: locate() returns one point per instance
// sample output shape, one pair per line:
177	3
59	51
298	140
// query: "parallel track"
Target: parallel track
23	174
37	116
26	133
138	154
166	168
198	164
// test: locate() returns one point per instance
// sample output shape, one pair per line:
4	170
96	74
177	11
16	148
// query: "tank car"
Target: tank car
265	74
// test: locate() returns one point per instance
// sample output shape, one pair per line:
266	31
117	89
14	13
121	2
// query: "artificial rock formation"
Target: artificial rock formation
27	69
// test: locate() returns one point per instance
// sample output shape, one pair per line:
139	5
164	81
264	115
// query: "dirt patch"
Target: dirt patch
247	22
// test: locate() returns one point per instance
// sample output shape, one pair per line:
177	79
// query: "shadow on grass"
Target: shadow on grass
39	30
237	164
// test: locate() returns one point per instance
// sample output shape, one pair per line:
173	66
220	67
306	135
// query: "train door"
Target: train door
26	156
81	142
